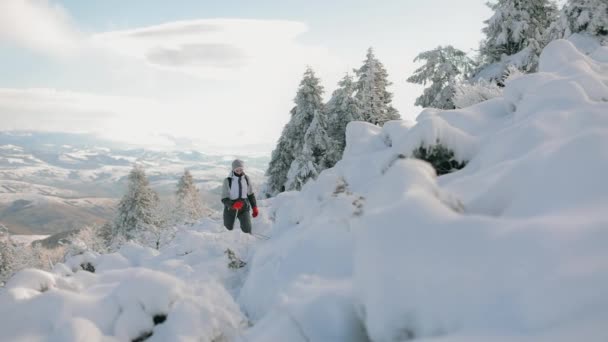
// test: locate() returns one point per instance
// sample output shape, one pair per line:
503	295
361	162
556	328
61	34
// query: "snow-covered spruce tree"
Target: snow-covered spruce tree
516	33
315	154
309	103
8	255
374	100
443	69
189	205
280	161
582	16
341	109
302	169
137	210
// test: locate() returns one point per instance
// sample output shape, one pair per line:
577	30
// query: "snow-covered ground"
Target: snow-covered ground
185	292
512	248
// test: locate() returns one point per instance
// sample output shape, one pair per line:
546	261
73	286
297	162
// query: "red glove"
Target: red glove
238	205
255	212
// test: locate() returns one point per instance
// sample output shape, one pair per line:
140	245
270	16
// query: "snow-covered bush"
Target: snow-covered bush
14	258
92	238
441	157
467	93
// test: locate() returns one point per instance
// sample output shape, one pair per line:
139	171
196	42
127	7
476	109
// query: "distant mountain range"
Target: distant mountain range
54	182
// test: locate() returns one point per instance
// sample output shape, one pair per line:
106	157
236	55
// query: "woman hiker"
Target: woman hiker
238	198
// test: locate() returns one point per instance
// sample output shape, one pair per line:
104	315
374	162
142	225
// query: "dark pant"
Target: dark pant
244	218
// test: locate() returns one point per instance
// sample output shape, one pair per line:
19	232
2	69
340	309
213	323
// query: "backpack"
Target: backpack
230	181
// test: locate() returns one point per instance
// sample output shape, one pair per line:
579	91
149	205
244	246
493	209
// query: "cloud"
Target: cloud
138	121
212	48
67	111
213	55
171	30
223	81
38	25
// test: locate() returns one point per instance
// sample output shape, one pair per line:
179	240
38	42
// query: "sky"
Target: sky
210	75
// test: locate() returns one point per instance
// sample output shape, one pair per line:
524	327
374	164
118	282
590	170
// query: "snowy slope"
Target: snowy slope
512	248
183	293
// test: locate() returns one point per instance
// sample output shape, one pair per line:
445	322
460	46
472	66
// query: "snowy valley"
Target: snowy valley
57	182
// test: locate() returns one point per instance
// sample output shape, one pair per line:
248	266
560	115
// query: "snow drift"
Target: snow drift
182	293
512	245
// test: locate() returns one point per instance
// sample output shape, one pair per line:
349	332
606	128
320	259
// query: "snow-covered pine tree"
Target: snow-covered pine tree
309	103
375	101
280	161
582	16
315	154
189	205
7	261
341	109
137	210
444	68
8	255
516	33
302	169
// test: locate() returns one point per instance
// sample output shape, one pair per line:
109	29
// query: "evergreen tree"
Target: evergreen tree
517	27
7	260
313	158
318	141
189	206
341	109
137	210
302	169
582	16
444	68
280	161
309	104
8	255
374	99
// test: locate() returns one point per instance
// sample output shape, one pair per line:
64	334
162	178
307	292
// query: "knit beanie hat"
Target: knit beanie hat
237	163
